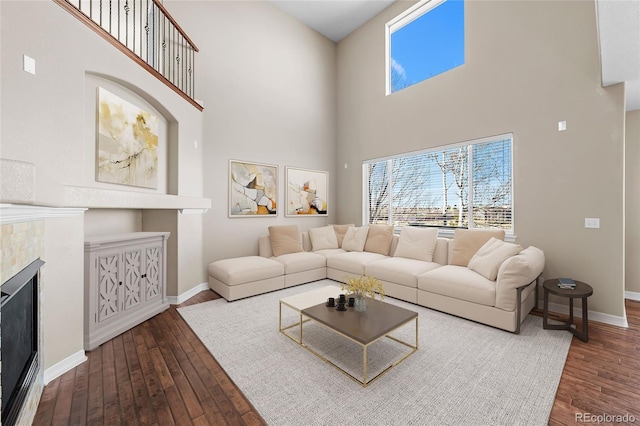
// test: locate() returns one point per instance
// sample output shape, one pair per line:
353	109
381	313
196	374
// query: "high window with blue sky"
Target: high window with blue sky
424	41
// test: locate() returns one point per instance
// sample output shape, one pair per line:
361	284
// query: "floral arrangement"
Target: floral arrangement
364	286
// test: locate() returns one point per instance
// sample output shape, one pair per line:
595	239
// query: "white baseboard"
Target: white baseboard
176	300
63	366
632	295
593	315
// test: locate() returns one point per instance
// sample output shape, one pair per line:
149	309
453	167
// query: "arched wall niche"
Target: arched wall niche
167	173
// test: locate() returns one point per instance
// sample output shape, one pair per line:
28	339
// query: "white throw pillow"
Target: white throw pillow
355	238
417	243
323	238
491	255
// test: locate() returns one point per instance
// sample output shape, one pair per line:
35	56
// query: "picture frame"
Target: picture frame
307	192
127	142
253	189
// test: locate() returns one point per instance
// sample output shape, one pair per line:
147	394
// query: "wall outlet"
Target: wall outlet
592	222
29	64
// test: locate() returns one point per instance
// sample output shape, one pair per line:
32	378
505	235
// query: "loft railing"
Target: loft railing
146	32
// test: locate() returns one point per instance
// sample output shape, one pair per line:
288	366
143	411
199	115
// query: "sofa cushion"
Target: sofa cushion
323	238
330	252
354	238
301	262
340	231
399	270
491	255
417	243
466	242
459	282
353	261
285	239
241	270
379	239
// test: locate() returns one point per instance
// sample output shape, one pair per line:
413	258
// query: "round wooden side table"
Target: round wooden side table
582	291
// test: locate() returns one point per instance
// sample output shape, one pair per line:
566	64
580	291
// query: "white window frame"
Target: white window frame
405	18
442	232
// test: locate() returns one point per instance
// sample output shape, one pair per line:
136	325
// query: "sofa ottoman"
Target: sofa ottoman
245	276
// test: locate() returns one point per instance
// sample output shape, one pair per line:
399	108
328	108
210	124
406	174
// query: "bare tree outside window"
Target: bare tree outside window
432	188
378	178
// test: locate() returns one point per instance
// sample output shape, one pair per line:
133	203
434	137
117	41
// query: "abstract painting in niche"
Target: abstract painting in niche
306	192
253	189
127	143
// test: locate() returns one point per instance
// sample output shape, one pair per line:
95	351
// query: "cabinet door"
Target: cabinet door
132	288
153	269
108	283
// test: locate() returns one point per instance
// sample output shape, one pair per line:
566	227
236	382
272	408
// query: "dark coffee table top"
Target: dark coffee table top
365	327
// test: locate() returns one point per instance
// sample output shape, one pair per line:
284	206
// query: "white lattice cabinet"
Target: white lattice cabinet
125	283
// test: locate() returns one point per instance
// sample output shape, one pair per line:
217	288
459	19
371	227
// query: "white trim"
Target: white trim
176	300
193	211
593	315
449	233
17	213
407	17
632	295
478	141
63	366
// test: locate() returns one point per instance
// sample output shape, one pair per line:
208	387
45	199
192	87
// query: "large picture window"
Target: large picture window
458	186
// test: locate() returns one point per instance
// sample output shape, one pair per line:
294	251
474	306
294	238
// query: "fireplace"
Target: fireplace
19	336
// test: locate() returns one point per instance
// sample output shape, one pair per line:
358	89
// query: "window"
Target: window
424	41
458	186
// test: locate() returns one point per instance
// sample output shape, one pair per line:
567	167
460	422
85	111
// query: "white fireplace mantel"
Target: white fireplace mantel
18	213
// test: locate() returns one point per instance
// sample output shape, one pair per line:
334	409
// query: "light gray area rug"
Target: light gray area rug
463	372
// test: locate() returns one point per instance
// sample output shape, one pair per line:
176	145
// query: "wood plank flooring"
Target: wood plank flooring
159	373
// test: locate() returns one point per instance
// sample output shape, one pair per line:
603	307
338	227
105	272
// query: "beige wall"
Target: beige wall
529	65
111	221
48	121
632	185
268	86
63	289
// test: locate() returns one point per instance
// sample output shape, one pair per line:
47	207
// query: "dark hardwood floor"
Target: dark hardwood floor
159	373
602	376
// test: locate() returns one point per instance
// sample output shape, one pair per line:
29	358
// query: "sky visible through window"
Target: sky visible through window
428	46
437	182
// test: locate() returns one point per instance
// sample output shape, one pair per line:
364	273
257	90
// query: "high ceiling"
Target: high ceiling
618	28
335	19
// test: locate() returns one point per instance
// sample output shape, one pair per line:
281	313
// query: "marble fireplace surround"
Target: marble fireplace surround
22	242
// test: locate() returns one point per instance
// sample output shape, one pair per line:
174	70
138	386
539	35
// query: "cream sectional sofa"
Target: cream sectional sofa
465	276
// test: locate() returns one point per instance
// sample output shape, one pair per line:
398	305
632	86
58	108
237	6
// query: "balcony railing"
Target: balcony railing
146	32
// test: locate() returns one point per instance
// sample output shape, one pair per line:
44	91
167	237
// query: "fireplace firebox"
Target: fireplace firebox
19	339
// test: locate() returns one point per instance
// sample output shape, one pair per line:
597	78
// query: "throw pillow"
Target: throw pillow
285	240
466	242
355	238
341	230
379	239
417	243
323	238
491	255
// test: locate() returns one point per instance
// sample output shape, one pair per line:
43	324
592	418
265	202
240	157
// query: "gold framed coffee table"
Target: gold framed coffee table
364	328
301	301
